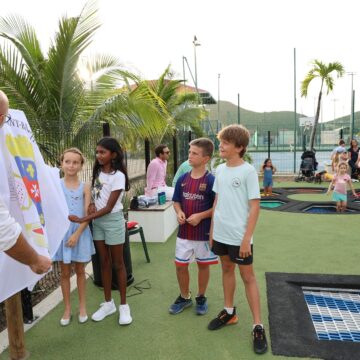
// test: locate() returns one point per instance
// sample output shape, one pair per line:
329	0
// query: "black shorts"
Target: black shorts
221	249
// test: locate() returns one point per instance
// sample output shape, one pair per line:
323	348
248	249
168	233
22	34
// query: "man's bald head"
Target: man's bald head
4	107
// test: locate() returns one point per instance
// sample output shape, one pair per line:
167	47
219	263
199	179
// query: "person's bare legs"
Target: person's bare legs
338	206
252	291
81	285
117	256
203	278
265	190
343	206
106	270
183	278
65	288
270	190
229	280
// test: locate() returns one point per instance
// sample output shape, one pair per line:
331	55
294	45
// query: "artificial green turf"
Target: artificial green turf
284	242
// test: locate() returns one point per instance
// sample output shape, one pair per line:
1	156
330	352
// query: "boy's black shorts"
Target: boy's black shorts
221	249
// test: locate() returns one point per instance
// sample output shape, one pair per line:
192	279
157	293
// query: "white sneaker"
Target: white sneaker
106	309
125	316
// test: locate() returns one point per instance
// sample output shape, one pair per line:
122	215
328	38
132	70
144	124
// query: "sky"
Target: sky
250	43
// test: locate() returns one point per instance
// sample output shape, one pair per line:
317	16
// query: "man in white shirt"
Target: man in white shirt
11	240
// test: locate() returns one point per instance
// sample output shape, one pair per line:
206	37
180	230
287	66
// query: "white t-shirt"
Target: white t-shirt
9	228
104	185
234	186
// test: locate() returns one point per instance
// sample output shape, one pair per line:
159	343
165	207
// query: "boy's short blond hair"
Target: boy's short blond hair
236	134
205	144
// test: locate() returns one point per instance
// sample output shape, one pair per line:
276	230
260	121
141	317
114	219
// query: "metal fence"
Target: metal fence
285	148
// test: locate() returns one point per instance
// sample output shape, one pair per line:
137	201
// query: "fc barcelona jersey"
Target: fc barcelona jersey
195	196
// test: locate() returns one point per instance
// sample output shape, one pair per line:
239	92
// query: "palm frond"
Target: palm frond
22	35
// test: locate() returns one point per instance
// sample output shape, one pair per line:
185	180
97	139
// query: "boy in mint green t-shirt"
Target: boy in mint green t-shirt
236	210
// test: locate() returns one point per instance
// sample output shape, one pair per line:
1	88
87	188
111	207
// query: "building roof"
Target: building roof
206	97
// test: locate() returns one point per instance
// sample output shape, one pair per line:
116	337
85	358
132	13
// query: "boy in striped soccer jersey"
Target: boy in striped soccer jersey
193	200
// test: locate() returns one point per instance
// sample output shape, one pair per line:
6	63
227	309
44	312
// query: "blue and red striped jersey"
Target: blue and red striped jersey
195	196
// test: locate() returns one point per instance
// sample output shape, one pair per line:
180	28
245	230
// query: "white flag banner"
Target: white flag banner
32	191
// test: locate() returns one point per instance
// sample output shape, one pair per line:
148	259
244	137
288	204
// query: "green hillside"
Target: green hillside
251	119
272	121
343	122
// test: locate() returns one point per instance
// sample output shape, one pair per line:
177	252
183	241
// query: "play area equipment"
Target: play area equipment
283	201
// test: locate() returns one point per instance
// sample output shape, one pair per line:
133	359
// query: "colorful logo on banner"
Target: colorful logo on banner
26	183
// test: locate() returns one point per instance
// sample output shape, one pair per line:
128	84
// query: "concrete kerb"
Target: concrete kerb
44	307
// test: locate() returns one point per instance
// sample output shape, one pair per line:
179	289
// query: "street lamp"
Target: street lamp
334	100
219	122
352	120
196	43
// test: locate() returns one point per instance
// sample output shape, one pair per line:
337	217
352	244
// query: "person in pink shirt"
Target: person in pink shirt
156	171
338	184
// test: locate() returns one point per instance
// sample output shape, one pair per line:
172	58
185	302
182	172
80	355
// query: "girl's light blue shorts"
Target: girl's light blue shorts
111	228
339	197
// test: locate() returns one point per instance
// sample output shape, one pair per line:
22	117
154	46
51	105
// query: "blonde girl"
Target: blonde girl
77	246
338	184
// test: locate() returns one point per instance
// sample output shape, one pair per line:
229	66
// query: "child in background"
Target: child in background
268	169
338	184
236	210
193	200
109	182
340	155
77	245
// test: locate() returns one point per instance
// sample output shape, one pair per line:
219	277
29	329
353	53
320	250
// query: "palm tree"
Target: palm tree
56	100
183	108
323	72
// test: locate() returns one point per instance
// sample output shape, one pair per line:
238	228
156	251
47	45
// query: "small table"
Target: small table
158	222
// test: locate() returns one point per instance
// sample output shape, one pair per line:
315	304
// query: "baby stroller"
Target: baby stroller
308	167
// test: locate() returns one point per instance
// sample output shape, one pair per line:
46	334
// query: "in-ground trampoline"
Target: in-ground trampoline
309	200
313	315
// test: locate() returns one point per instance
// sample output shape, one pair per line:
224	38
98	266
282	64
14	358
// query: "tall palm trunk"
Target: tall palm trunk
316	121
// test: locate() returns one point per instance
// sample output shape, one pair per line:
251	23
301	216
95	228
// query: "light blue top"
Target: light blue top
234	187
268	175
182	169
84	248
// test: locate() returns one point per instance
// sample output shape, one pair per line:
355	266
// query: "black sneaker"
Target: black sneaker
259	339
223	319
179	305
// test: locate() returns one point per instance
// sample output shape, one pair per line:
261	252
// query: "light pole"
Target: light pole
352	104
196	43
334	100
219	122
